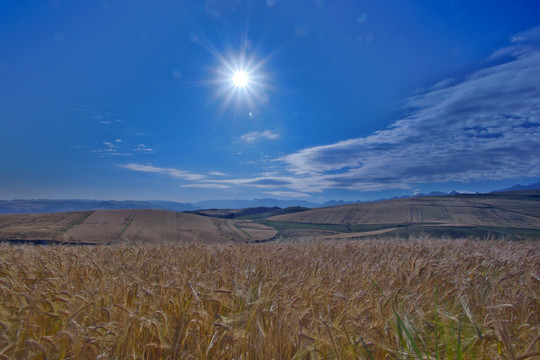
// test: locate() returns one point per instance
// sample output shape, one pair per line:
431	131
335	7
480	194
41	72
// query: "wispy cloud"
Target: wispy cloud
262	182
254	136
217	173
175	173
309	184
118	147
206	186
521	44
112	149
287	194
143	148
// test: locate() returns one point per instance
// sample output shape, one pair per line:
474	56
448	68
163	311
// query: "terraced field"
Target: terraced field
109	226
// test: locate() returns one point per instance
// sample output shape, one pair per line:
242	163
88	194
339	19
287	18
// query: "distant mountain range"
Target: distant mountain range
20	206
52	206
241	204
535	186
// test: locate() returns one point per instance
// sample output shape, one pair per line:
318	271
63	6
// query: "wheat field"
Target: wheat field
369	299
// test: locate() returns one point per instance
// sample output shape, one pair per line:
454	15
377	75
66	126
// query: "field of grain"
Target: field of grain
140	225
100	226
39	226
383	299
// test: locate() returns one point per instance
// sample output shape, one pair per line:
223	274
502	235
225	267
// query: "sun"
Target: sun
240	78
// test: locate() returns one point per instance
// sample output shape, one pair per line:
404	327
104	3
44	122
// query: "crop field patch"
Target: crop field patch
100	226
39	226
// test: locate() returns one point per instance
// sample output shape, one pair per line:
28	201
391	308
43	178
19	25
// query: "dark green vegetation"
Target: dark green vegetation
284	225
249	213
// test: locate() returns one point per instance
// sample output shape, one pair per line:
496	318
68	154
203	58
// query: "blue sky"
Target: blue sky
353	100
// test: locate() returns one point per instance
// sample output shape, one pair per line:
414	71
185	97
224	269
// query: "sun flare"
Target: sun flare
240	78
241	81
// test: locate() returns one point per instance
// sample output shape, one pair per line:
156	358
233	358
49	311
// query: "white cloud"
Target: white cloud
260	182
259	135
116	147
206	186
521	44
179	174
218	173
287	194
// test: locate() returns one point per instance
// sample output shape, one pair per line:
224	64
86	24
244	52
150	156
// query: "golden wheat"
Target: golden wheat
372	299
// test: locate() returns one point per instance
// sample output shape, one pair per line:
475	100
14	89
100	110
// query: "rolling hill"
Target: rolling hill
508	214
140	225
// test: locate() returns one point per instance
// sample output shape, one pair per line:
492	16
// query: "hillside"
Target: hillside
461	215
109	226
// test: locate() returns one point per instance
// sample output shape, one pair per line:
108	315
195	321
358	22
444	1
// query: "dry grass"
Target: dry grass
366	299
